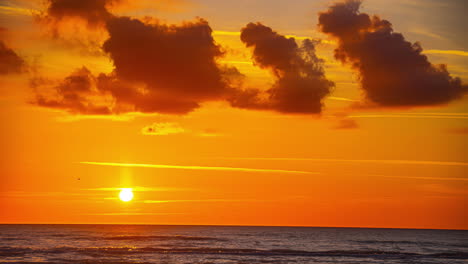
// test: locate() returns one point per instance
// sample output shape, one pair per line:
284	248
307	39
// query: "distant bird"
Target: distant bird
78	179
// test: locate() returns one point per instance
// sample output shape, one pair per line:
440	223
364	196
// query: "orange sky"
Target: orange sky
191	155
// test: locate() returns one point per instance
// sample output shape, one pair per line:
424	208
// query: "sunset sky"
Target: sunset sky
266	112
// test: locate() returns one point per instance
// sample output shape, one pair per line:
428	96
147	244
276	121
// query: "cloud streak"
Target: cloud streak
182	167
132	213
422	116
401	162
422	178
201	201
136	189
447	52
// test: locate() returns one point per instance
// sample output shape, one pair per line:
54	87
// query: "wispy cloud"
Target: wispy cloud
132	213
426	33
136	189
341	99
238	33
421	178
447	52
415	115
163	129
183	167
33	194
402	162
201	201
12	10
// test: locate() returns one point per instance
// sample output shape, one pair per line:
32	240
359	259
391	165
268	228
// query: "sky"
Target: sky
291	113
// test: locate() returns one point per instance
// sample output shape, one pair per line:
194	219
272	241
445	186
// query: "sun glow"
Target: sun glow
126	194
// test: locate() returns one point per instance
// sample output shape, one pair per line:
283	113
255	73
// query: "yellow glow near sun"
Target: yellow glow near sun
126	194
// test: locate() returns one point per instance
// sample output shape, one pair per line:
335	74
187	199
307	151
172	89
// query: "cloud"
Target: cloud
300	83
174	69
395	162
421	178
158	68
77	93
162	129
177	63
137	189
12	10
202	201
238	33
393	72
133	213
341	99
183	167
447	52
176	6
413	115
346	123
10	62
78	26
93	12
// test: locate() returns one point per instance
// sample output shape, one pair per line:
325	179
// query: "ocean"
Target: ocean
122	244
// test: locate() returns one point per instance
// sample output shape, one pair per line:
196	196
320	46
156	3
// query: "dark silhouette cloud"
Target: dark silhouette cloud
77	93
94	12
158	68
130	97
174	60
300	80
393	71
10	62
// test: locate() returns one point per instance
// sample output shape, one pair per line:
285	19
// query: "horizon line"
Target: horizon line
246	225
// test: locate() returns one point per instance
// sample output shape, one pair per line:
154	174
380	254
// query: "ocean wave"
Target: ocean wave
99	251
408	242
175	237
420	243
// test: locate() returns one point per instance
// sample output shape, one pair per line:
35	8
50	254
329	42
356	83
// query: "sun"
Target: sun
126	194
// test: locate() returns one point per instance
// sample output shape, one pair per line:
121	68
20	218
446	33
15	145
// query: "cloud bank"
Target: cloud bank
174	69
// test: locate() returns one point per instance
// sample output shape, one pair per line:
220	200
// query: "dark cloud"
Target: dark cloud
164	68
94	12
77	93
173	60
300	80
10	62
393	71
158	68
129	97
